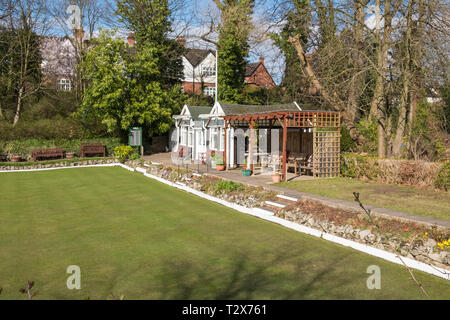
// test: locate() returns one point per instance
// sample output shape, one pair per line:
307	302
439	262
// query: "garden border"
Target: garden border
268	216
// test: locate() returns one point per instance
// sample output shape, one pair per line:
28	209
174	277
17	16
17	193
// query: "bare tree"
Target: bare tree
24	21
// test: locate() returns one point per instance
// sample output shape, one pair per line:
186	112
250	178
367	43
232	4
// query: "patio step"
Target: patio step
269	209
275	205
285	199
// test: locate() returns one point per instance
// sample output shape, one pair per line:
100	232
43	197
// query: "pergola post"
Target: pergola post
284	148
225	162
250	145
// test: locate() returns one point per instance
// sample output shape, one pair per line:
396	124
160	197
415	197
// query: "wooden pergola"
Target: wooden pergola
326	135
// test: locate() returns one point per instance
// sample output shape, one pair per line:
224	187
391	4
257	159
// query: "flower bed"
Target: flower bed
412	240
247	196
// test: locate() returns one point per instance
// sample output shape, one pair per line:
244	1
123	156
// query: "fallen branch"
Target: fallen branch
414	278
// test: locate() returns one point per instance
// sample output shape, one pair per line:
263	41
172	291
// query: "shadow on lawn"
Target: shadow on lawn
281	277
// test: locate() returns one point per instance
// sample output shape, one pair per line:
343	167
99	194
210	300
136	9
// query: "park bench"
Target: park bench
47	153
92	148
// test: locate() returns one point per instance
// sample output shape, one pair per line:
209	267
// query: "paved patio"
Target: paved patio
265	180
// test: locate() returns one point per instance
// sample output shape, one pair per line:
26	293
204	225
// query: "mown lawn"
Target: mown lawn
409	199
136	237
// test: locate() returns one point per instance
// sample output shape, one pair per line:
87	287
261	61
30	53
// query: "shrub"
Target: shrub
25	147
368	128
123	153
408	172
228	186
357	166
347	143
443	179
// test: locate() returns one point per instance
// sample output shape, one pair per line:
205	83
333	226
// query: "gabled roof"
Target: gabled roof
239	109
250	68
195	56
195	111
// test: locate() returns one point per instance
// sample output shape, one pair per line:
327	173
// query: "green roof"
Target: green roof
239	109
195	111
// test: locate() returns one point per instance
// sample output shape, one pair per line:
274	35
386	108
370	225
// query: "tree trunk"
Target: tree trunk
19	106
377	105
406	71
357	80
389	134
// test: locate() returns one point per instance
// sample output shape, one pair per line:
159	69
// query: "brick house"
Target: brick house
256	75
200	71
59	59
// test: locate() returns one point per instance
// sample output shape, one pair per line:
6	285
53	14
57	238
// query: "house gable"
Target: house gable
256	75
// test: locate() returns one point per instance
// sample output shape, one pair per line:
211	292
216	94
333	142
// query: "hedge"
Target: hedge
406	172
25	147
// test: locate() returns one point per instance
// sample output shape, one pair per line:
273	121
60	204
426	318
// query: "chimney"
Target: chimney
261	59
79	35
131	39
182	41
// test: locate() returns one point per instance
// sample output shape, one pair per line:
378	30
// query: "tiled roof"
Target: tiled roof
239	109
195	56
250	68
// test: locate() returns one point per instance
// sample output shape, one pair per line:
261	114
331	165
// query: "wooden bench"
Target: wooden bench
307	165
92	148
47	153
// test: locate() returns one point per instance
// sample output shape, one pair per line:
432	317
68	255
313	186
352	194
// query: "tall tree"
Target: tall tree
234	31
297	19
122	89
20	70
151	23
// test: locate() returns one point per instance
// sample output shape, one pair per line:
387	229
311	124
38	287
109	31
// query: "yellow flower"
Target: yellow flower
445	242
440	245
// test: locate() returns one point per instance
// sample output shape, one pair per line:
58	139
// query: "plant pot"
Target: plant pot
15	158
220	167
70	155
246	173
276	178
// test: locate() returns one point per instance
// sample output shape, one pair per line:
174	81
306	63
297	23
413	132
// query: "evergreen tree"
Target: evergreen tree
124	90
297	22
151	24
234	32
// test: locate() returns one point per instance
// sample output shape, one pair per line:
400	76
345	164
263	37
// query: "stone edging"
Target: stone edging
268	216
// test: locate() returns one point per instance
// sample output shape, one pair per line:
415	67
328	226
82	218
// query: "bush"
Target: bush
443	179
228	186
408	172
357	166
347	143
25	148
368	128
123	153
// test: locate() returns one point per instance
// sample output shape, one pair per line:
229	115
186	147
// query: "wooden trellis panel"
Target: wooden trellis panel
326	153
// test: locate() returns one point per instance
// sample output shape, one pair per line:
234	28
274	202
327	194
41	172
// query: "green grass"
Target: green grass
409	199
134	236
